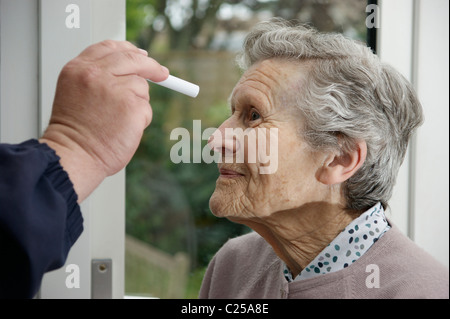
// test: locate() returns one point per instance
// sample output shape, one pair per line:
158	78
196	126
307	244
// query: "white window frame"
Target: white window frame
413	37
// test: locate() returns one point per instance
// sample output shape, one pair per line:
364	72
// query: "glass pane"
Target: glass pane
171	234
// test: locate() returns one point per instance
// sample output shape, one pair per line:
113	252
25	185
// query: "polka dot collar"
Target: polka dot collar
348	246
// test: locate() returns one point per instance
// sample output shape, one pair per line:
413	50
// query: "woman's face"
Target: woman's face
262	104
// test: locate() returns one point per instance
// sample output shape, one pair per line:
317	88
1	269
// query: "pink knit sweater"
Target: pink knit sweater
394	267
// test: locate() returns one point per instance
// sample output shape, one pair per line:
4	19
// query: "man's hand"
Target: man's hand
100	111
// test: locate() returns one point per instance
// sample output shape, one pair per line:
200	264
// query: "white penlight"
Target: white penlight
179	85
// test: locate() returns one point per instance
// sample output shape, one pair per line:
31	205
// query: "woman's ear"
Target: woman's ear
337	168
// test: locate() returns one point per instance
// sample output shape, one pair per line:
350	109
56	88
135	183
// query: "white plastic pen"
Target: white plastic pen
179	85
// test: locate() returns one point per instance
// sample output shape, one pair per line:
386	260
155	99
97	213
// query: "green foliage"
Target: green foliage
137	13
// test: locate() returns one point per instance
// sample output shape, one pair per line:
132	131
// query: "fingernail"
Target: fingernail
143	52
165	69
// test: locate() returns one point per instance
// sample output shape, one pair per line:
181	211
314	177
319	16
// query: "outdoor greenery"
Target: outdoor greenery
166	203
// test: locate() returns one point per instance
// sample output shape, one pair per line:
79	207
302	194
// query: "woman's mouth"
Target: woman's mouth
227	173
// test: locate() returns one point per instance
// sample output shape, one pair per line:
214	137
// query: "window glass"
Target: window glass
171	234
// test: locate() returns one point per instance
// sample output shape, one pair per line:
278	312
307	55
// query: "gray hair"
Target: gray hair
349	96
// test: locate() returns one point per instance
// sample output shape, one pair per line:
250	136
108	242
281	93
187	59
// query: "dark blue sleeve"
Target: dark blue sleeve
39	217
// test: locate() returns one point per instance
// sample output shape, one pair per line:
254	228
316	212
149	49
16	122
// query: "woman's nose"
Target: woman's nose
224	141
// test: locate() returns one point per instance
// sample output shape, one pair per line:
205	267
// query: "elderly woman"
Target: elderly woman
343	123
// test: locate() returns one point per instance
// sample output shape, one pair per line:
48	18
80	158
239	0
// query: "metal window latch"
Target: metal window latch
101	283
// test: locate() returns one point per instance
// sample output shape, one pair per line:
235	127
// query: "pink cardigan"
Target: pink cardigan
394	267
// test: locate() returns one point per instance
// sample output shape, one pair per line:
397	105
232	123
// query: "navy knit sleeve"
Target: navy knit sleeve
40	219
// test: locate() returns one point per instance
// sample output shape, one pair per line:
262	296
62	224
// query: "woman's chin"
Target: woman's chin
223	203
216	204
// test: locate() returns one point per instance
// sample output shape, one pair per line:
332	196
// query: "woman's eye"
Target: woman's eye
254	116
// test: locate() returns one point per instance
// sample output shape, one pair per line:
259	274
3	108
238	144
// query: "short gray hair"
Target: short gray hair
349	95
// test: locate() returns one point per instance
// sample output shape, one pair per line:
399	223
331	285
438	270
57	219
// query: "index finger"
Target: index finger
107	47
130	62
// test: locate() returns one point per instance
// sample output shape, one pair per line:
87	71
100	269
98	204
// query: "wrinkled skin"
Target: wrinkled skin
251	194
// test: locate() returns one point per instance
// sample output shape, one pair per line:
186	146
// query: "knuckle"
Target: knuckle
132	57
144	88
129	45
145	110
70	70
118	45
110	44
129	99
148	115
90	73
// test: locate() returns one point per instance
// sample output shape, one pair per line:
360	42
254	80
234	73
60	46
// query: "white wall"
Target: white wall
431	197
414	37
